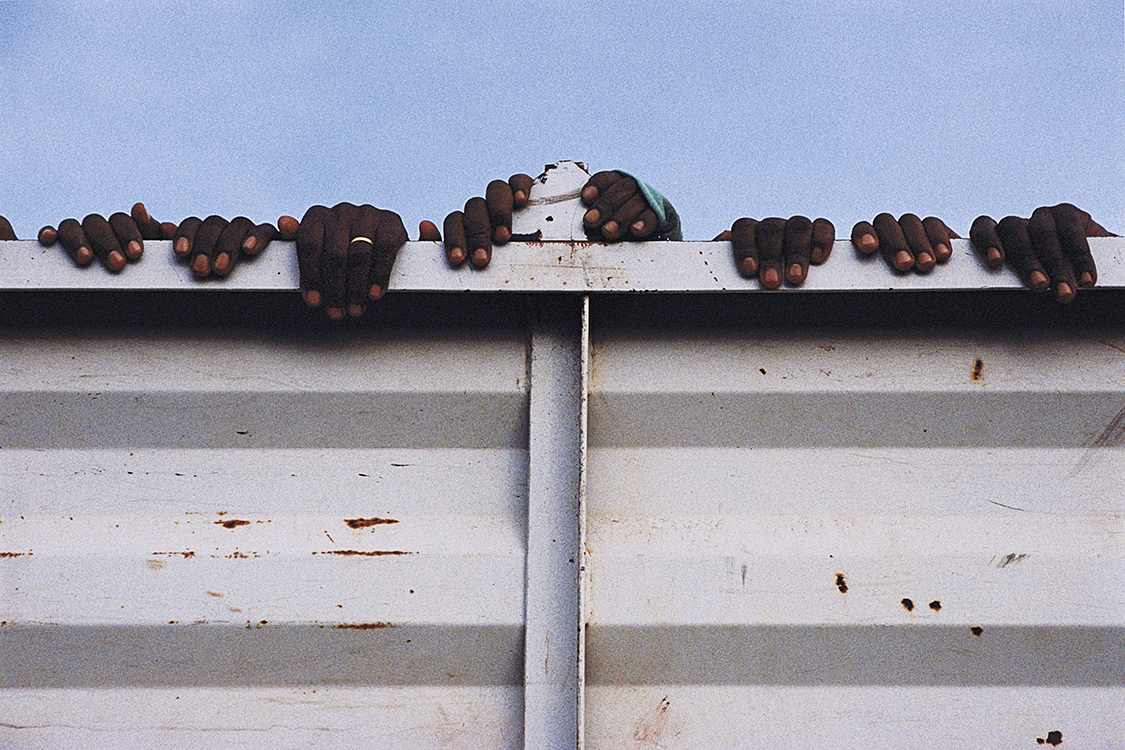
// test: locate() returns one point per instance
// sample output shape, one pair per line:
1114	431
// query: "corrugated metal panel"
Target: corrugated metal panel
239	536
817	535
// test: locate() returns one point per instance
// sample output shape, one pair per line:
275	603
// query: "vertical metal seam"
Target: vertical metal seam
583	445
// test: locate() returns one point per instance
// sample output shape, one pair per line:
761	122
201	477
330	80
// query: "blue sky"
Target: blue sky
837	109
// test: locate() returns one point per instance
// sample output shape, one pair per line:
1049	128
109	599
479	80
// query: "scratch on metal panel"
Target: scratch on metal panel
1113	436
1002	505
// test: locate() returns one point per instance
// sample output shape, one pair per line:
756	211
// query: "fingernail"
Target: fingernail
502	234
1065	292
134	250
376	291
182	246
355	310
943	251
1086	279
83	255
1039	280
457	255
480	257
638	226
249	244
771	278
589	193
222	263
592	216
519	196
335	313
994	256
610	227
796	274
201	265
903	260
312	298
925	260
116	260
868	243
748	266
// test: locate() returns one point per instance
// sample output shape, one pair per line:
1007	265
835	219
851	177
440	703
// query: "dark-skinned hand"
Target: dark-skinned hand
617	210
115	241
906	244
213	246
470	234
1049	251
345	255
6	232
773	249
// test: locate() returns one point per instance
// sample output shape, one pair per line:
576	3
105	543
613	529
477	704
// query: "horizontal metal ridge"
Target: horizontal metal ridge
539	267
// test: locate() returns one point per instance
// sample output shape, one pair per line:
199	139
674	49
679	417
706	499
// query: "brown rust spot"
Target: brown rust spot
1054	739
369	553
363	523
364	625
215	594
233	523
935	605
908	605
841	584
976	630
6	555
978	370
187	555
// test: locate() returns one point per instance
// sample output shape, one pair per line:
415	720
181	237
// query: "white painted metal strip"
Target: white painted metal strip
538	267
551	694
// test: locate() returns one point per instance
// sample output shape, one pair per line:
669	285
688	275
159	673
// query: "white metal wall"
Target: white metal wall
234	535
822	536
224	522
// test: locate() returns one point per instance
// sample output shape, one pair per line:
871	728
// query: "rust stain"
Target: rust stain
232	523
7	555
187	555
908	605
841	584
1054	738
978	370
370	553
976	630
215	594
363	625
935	605
363	523
651	727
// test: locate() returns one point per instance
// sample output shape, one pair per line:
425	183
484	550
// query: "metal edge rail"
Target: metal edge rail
580	267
